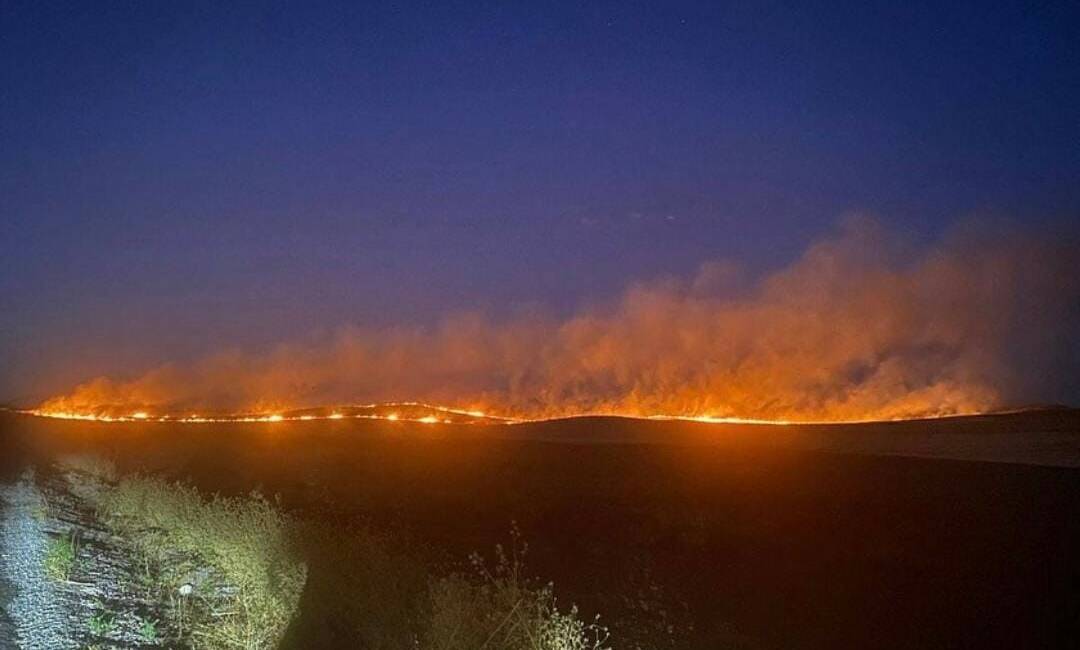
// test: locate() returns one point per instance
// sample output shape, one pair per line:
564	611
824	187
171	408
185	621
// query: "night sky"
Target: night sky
177	178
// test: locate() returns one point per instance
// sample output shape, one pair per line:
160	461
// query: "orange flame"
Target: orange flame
846	333
441	415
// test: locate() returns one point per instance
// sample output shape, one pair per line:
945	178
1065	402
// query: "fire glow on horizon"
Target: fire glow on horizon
850	332
443	415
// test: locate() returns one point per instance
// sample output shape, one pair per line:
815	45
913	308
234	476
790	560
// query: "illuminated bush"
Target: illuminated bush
255	582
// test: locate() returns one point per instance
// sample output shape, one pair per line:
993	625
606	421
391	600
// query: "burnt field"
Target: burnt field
735	536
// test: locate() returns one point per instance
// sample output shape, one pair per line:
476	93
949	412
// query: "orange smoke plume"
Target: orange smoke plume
855	329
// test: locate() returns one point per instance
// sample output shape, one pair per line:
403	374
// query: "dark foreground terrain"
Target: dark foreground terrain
731	536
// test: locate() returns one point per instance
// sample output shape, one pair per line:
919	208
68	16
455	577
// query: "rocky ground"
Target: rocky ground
48	527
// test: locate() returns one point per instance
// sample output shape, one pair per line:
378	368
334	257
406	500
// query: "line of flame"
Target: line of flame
446	412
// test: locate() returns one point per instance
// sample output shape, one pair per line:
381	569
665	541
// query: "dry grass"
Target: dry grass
252	581
498	607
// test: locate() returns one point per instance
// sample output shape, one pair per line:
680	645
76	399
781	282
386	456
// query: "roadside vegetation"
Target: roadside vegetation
224	563
236	570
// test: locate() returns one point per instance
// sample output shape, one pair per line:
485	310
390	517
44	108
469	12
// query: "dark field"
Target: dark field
743	536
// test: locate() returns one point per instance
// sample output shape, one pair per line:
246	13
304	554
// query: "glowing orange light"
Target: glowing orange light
436	414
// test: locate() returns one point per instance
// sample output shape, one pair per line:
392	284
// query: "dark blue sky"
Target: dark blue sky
175	178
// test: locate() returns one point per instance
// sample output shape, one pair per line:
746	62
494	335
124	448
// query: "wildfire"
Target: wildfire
434	414
839	335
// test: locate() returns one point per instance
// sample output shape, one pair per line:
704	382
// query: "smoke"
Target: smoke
859	327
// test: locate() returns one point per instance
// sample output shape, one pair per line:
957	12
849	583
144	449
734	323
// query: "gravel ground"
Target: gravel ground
42	614
7	592
38	613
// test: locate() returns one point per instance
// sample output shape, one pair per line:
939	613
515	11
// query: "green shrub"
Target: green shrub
60	558
148	630
244	540
101	624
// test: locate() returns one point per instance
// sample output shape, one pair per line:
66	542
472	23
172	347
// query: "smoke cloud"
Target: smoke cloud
859	327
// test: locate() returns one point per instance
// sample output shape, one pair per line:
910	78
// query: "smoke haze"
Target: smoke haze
858	327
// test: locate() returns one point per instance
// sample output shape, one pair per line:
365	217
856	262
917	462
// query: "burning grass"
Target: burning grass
856	329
